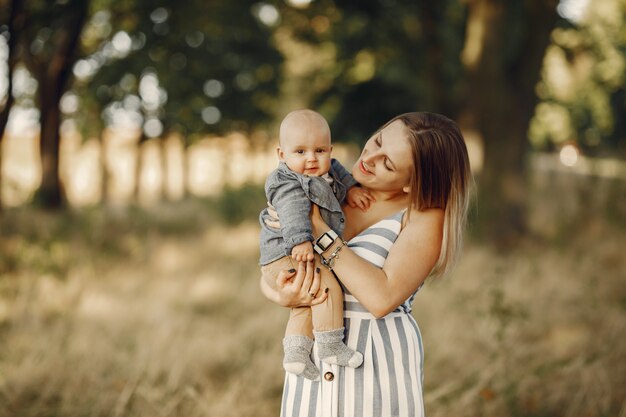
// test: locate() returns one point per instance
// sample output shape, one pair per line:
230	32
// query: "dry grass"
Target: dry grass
539	332
122	315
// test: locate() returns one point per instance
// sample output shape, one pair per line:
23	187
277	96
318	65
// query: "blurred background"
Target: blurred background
135	139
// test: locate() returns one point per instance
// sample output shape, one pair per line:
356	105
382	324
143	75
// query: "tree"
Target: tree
503	55
48	46
583	87
15	25
378	58
476	61
192	68
216	68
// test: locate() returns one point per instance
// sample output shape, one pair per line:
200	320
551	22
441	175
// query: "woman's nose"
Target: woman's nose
370	158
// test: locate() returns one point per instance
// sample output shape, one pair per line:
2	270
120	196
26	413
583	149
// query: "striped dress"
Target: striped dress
389	383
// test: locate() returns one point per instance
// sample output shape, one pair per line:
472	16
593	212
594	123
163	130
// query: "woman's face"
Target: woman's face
386	163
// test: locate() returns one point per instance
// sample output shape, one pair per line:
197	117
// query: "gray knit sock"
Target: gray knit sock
332	350
297	359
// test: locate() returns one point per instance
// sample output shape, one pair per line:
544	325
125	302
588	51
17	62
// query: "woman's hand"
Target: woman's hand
297	288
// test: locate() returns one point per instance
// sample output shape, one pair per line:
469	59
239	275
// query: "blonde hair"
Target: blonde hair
441	178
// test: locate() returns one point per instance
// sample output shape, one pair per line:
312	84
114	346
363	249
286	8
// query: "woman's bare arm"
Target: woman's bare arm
410	260
293	287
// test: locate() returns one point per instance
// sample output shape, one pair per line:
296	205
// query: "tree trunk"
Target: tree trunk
4	119
440	95
503	55
16	24
139	166
105	179
1	187
53	77
165	189
51	194
185	169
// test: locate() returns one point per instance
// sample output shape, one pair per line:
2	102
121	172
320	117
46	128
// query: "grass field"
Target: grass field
157	313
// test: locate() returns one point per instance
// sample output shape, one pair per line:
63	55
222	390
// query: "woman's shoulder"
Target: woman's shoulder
433	217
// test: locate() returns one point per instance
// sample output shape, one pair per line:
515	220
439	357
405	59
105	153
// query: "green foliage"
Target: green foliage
242	203
214	62
386	58
583	90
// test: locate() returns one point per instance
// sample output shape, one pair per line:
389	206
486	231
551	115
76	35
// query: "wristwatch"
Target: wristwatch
325	241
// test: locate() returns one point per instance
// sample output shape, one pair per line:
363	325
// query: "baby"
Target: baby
306	174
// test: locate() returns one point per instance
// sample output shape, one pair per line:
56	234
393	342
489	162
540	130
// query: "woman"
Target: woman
416	167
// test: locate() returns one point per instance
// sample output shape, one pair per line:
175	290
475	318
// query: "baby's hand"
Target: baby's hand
359	197
303	252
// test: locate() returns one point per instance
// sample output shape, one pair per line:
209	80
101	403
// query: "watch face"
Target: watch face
325	241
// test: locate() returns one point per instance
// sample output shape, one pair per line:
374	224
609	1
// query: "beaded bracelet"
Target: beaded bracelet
330	261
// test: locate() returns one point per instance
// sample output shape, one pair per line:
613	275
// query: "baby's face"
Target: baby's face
306	150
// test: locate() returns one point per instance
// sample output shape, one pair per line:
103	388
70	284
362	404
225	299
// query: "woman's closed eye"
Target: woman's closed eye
378	141
386	164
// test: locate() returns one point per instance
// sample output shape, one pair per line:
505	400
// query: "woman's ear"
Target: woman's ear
407	189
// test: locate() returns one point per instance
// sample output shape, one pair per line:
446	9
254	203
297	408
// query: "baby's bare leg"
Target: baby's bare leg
329	314
328	324
298	341
300	322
